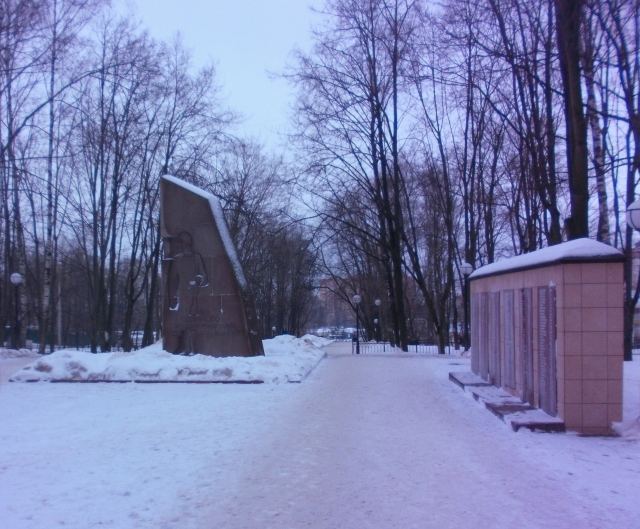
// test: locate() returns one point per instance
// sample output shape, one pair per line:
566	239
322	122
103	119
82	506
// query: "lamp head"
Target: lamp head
466	268
633	215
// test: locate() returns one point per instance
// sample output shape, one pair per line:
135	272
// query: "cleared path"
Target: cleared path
388	442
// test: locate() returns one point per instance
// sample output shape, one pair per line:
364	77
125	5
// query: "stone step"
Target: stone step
509	409
467	378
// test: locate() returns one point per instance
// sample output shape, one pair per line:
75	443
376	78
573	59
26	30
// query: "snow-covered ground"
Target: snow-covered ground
286	359
629	428
365	441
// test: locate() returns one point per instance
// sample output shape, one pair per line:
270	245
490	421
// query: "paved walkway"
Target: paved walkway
384	442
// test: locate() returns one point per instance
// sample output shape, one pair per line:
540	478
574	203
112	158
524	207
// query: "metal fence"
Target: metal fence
386	347
81	343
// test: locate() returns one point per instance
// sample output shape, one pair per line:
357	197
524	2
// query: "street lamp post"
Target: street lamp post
273	332
356	300
378	329
466	270
16	279
633	220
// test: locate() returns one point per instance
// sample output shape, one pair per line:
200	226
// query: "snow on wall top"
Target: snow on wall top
216	210
576	250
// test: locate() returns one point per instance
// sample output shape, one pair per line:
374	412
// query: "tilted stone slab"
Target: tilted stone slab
207	307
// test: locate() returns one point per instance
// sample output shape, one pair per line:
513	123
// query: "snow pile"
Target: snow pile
287	359
316	341
630	426
630	430
579	249
16	353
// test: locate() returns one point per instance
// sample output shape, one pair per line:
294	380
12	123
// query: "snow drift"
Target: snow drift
287	359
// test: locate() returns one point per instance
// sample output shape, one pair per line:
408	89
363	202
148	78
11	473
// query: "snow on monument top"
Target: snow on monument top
573	251
218	215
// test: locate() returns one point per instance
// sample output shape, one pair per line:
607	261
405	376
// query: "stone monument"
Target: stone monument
206	304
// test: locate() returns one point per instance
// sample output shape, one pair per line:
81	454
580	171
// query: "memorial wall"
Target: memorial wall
547	328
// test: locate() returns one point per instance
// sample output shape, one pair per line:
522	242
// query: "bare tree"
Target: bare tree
619	21
65	19
351	125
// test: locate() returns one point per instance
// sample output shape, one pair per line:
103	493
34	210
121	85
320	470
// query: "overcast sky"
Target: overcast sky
246	39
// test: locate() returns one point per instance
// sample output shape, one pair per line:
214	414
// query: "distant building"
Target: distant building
336	312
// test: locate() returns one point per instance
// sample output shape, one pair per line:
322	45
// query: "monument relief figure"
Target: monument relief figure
201	272
186	277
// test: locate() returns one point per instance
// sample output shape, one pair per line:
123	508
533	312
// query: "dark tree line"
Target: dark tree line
92	112
467	131
426	136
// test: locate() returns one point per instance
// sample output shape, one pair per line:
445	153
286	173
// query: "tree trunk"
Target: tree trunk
597	135
147	337
568	22
48	246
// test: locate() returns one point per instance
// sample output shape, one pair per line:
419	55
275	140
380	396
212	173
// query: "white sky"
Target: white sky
246	39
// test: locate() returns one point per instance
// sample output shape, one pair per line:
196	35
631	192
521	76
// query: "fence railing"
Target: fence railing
83	346
386	347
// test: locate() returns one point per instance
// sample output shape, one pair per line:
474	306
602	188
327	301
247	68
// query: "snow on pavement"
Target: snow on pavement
370	441
390	442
